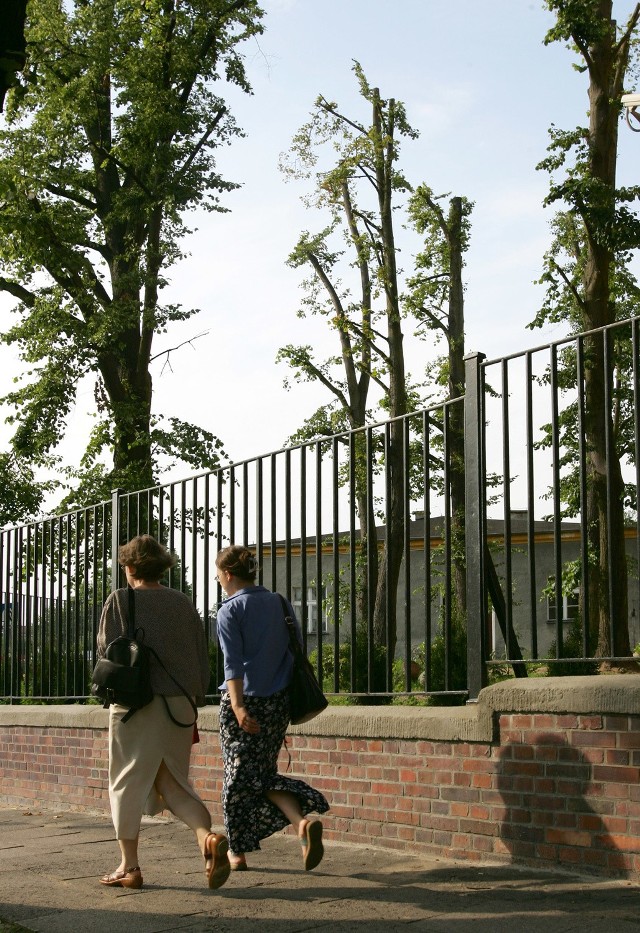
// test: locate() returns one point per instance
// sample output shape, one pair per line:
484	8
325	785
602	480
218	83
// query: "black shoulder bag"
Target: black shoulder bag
305	695
123	676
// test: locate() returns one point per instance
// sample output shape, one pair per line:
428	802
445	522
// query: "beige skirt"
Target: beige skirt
137	748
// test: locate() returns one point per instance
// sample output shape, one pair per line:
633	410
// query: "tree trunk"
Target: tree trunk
608	601
384	619
456	390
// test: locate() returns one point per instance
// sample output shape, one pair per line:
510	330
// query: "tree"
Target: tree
583	273
111	139
361	191
436	297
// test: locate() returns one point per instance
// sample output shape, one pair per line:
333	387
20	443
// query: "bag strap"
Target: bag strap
131	625
131	615
294	644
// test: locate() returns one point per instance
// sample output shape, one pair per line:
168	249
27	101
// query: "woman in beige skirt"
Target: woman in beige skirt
149	753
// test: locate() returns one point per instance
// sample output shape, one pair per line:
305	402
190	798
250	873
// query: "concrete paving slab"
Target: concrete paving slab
50	864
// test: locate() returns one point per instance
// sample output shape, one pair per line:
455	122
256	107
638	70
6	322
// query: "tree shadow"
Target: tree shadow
545	815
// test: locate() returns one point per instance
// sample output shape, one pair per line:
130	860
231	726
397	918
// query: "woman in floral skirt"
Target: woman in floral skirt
254	716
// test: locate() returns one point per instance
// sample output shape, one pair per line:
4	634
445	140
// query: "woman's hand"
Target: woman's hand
245	720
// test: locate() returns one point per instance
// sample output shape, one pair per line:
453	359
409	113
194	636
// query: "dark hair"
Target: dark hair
238	561
147	557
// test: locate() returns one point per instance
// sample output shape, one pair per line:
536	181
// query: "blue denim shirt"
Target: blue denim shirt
255	641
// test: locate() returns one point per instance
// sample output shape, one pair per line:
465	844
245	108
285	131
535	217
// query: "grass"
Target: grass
7	927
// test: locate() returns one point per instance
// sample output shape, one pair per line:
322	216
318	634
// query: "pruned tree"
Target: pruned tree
110	139
361	190
585	278
436	298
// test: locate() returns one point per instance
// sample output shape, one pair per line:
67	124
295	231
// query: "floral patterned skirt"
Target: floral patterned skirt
251	768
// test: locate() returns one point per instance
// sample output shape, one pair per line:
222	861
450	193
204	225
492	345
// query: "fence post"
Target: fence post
115	538
474	523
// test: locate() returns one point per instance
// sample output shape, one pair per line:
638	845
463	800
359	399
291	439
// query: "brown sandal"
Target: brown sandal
217	867
238	863
311	841
129	878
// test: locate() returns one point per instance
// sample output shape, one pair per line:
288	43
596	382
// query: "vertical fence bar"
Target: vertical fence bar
4	619
557	512
287	531
304	603
447	548
245	504
115	538
337	619
584	529
259	516
406	472
274	527
372	561
352	558
608	360
474	524
318	573
207	569
531	542
506	487
426	546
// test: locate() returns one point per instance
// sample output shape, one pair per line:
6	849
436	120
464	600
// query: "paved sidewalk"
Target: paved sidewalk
50	864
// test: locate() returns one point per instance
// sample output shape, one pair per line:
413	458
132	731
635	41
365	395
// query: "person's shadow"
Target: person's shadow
546	815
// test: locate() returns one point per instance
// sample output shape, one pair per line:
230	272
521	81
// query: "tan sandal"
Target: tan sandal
216	867
238	863
311	841
129	878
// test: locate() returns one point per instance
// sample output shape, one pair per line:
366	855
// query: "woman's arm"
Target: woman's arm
236	694
109	627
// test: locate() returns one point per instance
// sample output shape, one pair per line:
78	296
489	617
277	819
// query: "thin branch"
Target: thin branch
173	349
71	196
572	288
201	143
360	332
324	105
437	323
631	25
311	369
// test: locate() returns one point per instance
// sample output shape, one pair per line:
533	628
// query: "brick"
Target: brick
567	837
616	774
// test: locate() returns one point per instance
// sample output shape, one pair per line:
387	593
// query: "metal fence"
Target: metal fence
423	555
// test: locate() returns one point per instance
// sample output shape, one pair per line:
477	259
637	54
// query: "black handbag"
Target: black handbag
306	698
123	676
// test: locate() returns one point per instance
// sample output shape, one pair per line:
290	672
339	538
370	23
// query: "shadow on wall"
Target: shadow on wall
543	785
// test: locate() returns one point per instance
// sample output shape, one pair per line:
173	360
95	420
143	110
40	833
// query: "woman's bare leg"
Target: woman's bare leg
309	831
129	850
192	812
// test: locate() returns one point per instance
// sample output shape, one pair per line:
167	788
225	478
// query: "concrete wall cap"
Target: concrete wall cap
616	694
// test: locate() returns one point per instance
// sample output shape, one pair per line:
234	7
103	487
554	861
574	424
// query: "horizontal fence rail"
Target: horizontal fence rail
493	535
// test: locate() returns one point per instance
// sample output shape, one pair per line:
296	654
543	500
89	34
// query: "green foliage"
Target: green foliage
111	139
572	647
360	653
20	496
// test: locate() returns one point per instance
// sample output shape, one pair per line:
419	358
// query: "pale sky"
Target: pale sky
481	88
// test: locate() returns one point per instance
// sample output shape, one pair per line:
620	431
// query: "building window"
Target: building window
570	607
311	607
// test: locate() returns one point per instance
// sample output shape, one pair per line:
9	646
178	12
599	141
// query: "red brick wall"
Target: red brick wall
545	788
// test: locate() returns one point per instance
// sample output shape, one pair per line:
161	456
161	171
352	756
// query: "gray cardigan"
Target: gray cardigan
172	627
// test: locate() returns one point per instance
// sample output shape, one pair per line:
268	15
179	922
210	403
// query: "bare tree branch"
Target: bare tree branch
171	350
